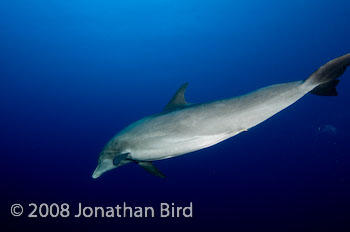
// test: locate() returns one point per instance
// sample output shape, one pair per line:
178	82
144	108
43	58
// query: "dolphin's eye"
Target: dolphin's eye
120	158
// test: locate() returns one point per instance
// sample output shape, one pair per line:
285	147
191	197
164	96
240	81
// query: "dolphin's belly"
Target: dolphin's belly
172	146
200	126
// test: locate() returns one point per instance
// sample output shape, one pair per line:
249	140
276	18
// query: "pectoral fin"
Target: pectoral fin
119	158
149	167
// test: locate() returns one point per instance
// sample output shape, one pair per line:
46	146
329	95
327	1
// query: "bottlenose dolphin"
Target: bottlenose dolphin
183	127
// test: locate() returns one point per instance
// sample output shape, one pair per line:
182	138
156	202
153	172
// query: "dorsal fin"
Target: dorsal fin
178	100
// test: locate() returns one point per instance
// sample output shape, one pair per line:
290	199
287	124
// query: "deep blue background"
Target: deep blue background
74	73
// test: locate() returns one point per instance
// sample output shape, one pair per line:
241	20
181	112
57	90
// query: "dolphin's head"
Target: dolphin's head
111	157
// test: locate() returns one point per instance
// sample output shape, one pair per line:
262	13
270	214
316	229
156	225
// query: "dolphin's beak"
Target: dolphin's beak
102	167
97	173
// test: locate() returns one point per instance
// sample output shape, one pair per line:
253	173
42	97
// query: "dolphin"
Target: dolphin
183	127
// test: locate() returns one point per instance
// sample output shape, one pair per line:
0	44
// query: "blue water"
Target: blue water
74	73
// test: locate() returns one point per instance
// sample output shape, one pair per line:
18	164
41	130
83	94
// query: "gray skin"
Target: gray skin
182	127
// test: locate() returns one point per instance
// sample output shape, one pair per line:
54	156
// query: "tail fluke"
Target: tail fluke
326	89
325	78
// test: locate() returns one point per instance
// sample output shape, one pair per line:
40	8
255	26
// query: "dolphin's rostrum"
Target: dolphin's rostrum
183	127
